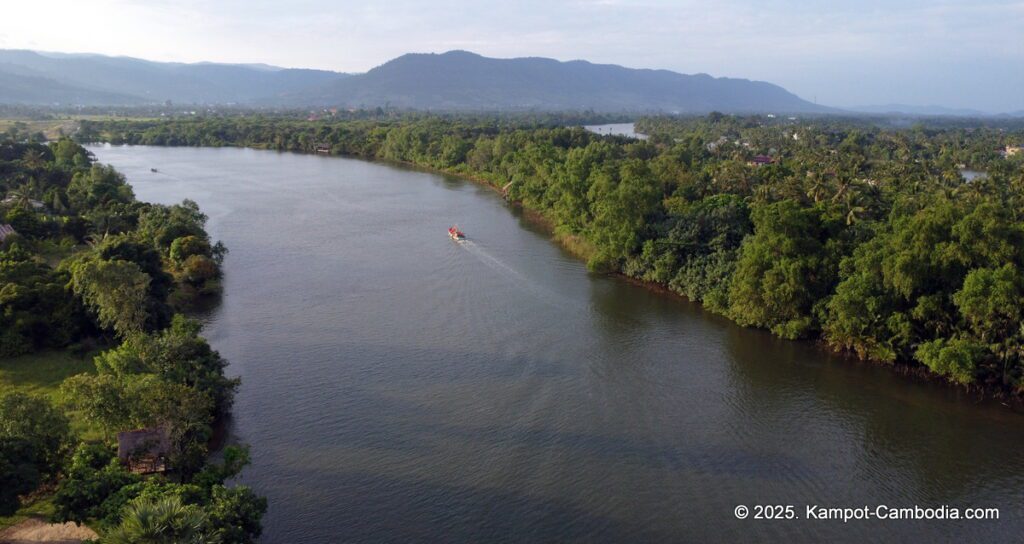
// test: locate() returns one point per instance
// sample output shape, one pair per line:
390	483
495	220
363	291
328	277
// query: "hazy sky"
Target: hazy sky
953	53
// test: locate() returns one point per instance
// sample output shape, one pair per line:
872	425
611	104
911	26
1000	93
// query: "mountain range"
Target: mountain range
86	79
924	111
460	80
456	80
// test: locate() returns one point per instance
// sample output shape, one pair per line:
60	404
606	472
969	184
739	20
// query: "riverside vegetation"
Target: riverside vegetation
90	269
863	236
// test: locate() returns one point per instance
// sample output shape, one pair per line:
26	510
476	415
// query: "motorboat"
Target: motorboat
455	234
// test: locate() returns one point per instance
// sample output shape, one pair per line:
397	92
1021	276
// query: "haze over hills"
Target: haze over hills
457	80
19	86
87	79
930	110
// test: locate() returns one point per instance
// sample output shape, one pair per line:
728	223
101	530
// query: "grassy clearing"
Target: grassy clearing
52	128
41	374
60	124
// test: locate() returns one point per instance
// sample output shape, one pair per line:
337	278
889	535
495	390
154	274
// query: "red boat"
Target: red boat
455	234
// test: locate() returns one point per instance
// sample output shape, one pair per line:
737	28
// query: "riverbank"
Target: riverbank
70	308
703	220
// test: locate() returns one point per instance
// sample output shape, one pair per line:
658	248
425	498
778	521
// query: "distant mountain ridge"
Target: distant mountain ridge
457	80
19	86
90	79
452	81
930	110
460	80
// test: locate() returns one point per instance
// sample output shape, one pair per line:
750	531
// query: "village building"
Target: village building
144	451
760	160
722	140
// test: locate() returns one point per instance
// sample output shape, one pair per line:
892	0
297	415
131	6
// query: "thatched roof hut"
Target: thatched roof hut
144	450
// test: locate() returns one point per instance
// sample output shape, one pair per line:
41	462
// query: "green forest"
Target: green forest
95	340
861	235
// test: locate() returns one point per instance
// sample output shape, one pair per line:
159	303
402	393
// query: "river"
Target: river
401	387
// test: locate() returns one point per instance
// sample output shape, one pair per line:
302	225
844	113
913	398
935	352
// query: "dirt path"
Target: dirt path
38	530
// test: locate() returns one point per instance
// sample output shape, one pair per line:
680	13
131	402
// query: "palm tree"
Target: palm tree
817	188
160	521
33	158
854	214
25	194
57	202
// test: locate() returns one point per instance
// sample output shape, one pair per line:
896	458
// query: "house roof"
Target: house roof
5	231
154	441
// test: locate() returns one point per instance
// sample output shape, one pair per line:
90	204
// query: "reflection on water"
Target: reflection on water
398	386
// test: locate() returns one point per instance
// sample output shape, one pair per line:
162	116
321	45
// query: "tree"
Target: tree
161	521
103	400
19	473
27	223
36	310
162	225
177	355
991	302
236	514
93	476
954	358
187	246
67	153
98	186
35	421
116	290
783	270
620	208
198	270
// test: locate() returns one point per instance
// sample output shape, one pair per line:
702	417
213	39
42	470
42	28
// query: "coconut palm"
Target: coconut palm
33	158
160	521
24	195
817	187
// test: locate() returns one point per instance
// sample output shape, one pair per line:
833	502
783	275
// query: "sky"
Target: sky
959	54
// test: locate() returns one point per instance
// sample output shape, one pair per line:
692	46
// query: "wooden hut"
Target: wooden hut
144	451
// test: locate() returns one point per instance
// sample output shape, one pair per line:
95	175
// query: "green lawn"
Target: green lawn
41	374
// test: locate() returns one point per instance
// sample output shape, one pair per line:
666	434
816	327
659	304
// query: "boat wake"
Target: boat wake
490	260
545	295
